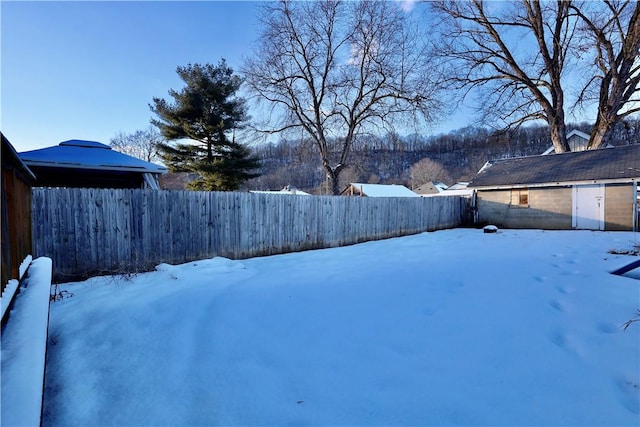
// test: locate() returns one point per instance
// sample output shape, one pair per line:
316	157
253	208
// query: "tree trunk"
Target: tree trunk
333	175
608	106
559	134
600	133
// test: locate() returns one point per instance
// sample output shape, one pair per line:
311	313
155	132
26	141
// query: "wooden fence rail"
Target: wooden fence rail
94	231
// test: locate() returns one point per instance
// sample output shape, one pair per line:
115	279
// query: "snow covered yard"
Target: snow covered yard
454	327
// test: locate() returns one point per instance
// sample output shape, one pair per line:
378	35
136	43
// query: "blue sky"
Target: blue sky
87	70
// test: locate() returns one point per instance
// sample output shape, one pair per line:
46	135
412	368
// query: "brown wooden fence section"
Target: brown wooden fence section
92	231
16	212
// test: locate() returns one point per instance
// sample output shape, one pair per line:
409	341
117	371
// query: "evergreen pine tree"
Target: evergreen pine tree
206	111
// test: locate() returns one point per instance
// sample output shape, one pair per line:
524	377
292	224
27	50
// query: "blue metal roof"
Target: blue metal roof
79	154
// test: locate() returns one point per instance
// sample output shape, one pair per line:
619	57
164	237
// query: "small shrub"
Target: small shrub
59	294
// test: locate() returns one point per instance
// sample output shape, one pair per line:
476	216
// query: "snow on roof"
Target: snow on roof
382	190
578	133
283	191
79	154
441	186
289	189
460	185
445	193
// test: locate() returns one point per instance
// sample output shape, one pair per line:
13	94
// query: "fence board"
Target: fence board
92	231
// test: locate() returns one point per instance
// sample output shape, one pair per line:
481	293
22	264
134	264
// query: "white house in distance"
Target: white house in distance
577	142
457	189
431	187
289	189
377	190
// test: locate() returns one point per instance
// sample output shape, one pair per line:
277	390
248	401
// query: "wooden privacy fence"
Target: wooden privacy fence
94	231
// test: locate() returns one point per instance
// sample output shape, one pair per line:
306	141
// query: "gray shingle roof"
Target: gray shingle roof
618	163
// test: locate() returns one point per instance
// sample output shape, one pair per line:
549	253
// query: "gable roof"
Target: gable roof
576	139
431	187
381	190
78	154
621	164
581	134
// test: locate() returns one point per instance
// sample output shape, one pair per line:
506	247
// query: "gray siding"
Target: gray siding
551	208
548	208
618	207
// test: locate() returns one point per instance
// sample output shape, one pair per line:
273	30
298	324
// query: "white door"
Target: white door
588	207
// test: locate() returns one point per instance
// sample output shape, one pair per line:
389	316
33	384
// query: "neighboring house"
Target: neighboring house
457	189
577	142
377	190
17	180
90	164
594	189
289	189
431	187
460	185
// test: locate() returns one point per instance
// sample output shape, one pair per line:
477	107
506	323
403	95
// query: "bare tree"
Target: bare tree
427	170
612	33
141	144
484	47
338	70
515	52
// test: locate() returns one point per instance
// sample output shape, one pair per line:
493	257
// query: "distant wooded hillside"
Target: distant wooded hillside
389	159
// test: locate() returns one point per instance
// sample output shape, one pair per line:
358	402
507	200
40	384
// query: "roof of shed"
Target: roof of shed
616	163
80	154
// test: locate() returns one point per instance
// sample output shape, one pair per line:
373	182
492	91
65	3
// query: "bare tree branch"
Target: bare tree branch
141	143
337	70
613	28
482	42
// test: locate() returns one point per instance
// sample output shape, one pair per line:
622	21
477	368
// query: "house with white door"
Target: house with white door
593	189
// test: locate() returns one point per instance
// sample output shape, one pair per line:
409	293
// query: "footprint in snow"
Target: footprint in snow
607	328
629	393
556	305
558	338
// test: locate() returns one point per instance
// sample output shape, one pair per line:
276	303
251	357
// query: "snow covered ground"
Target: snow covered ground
454	327
24	342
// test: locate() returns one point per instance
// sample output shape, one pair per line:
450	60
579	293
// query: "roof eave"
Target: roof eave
35	163
556	184
17	159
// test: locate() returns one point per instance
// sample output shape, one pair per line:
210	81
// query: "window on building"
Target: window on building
520	197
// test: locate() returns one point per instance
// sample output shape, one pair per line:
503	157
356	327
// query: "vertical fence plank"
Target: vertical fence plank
88	231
